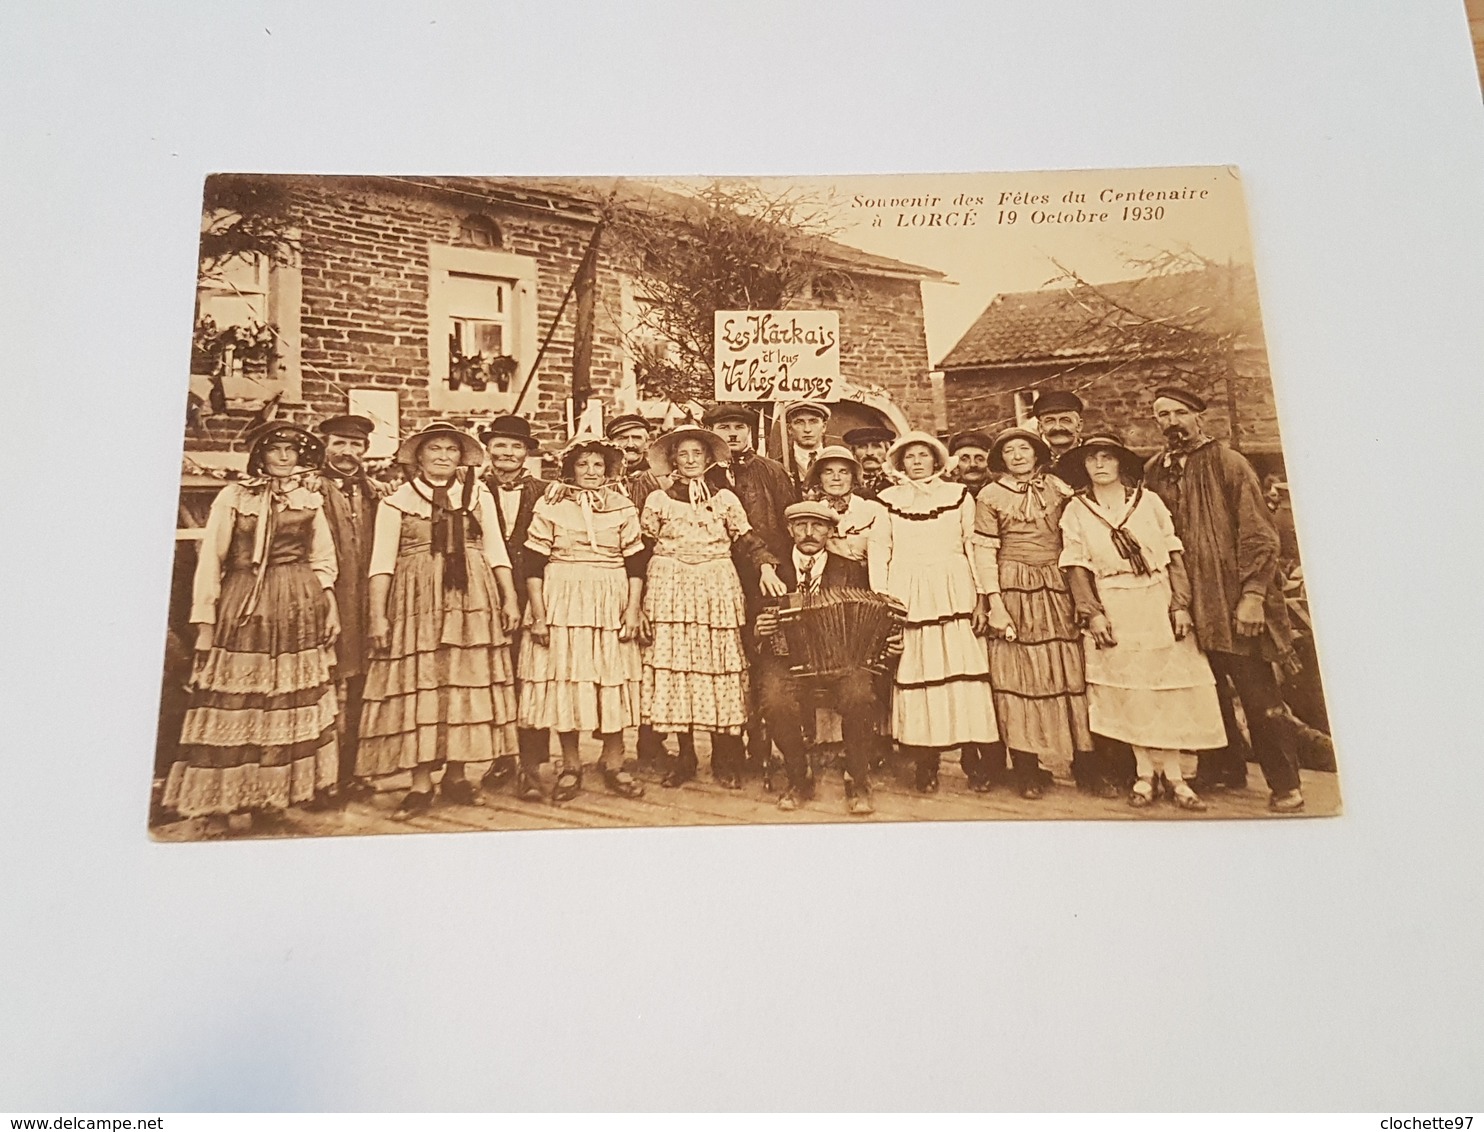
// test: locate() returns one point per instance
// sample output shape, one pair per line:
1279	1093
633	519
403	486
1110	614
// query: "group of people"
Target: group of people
1059	605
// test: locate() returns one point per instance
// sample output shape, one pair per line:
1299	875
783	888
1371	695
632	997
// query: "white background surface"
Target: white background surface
1302	964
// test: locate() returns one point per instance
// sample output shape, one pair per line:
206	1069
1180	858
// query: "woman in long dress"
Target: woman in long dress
259	734
440	689
940	697
695	670
1035	646
1148	683
579	655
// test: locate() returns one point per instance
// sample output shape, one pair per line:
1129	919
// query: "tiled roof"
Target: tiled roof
1072	323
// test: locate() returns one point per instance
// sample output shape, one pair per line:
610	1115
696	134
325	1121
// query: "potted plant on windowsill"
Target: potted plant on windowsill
478	371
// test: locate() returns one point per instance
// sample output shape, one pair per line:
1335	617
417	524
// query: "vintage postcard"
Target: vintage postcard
580	502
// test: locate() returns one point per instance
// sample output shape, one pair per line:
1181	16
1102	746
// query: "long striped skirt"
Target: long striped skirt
259	733
1040	689
444	691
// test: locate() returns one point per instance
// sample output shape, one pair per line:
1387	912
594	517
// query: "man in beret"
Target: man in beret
632	433
508	441
971	449
869	446
351	498
804	422
1241	621
1058	417
765	489
788	700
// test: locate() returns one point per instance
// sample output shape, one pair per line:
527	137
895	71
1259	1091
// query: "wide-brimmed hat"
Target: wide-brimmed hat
972	438
347	424
613	456
730	411
1186	397
916	436
311	447
627	422
511	427
832	452
471	451
871	434
818	408
811	509
660	459
996	450
1072	467
1056	401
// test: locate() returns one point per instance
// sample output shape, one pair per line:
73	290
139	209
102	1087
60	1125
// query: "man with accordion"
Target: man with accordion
829	637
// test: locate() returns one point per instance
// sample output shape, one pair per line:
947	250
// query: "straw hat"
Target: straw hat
832	452
996	457
613	457
660	452
916	436
1072	467
470	450
311	448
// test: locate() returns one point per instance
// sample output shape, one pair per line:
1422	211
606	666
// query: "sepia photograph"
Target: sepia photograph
564	503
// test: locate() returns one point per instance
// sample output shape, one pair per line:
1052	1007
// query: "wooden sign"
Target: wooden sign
778	355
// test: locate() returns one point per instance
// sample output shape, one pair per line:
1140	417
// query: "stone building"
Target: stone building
1112	344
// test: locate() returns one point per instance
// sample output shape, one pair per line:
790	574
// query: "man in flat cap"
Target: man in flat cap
869	446
1241	621
632	433
508	441
763	486
788	700
804	422
971	451
351	498
1058	416
765	489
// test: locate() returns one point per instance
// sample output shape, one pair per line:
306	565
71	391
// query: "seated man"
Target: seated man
786	698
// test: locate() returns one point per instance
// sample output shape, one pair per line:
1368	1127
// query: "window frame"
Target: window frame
520	274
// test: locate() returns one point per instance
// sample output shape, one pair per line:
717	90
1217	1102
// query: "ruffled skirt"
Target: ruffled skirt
940	697
260	729
1150	689
695	672
1040	690
445	689
585	679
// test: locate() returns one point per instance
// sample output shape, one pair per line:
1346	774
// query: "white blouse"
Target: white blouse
1087	540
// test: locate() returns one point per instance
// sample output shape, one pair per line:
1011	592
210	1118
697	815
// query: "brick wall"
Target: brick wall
364	315
984	398
883	343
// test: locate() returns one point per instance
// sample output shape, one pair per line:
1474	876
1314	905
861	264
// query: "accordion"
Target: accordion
831	631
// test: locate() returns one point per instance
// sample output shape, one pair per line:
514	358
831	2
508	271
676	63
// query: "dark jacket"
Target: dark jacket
764	489
531	489
350	510
839	572
1231	546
